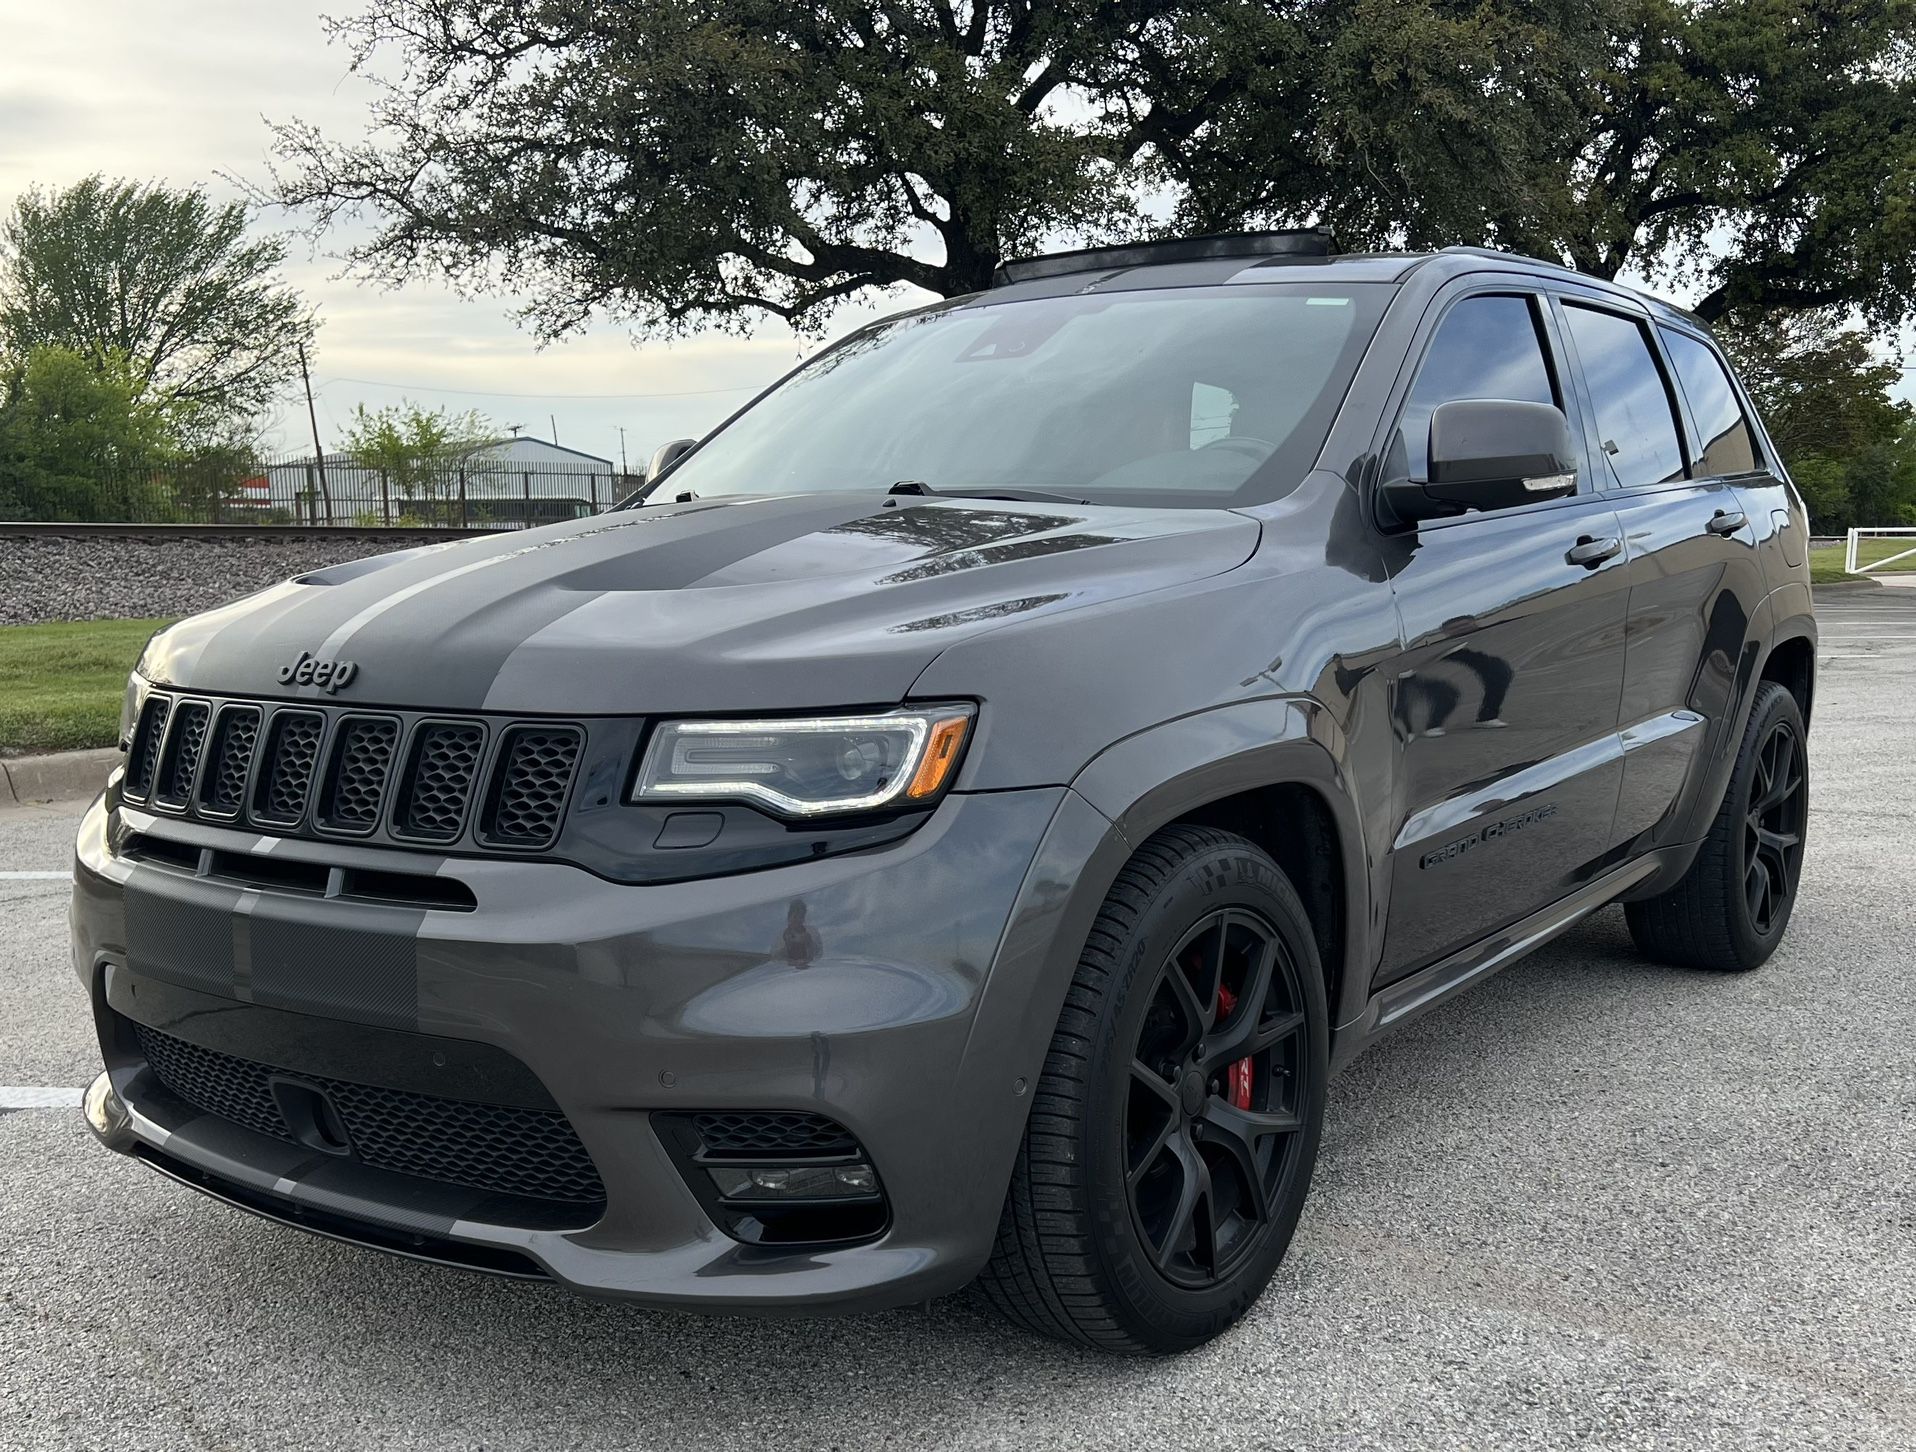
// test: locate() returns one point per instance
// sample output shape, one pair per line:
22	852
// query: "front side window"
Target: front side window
1728	447
1634	420
1192	396
1485	347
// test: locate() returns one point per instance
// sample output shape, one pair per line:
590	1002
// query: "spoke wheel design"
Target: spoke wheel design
1773	825
1212	1121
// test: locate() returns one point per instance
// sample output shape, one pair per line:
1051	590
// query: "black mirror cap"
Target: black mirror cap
1495	453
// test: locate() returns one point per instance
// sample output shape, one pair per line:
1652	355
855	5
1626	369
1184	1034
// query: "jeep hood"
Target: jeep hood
778	603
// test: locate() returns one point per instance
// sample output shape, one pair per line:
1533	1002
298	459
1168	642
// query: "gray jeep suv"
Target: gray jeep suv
953	821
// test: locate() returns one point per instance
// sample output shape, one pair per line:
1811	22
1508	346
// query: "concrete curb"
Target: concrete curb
1843	586
56	777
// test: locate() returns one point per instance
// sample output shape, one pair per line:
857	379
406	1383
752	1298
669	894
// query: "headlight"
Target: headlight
813	767
130	703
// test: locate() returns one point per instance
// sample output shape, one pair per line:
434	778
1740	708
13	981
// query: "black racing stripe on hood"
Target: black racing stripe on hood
493	610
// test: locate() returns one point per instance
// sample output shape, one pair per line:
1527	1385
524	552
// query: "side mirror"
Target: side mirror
665	456
1488	453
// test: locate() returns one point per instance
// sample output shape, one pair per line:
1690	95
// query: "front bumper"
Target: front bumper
908	993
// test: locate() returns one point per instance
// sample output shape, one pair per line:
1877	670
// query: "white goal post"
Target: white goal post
1850	567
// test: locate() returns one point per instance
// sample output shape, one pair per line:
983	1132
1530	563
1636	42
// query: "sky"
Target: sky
183	92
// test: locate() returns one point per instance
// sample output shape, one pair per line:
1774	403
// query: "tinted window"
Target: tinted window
1727	445
1634	421
1486	347
1199	396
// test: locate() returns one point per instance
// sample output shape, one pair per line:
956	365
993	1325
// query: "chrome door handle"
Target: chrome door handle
1727	521
1590	552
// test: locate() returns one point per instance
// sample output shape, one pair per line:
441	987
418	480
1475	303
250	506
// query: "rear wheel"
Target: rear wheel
1730	909
1175	1125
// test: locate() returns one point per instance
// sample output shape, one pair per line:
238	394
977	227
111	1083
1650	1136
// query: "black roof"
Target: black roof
1257	256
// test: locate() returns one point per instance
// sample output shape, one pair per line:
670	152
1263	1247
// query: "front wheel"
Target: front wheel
1729	910
1176	1122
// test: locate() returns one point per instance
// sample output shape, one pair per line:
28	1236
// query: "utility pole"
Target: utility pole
319	454
622	468
554	421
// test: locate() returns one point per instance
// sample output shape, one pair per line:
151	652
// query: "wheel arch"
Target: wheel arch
1273	772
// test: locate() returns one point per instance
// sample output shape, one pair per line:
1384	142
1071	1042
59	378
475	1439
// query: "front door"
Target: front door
1505	691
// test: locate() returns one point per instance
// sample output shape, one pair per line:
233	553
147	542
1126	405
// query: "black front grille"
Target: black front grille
181	758
772	1132
445	760
229	758
362	762
532	786
499	1148
391	777
143	760
286	773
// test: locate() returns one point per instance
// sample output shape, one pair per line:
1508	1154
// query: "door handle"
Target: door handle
1590	552
1727	521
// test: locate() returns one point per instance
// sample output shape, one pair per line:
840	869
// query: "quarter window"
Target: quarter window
1487	346
1634	420
1728	447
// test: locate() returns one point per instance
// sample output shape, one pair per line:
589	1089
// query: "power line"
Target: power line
493	393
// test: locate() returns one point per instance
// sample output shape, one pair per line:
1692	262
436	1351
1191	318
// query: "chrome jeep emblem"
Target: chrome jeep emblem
328	675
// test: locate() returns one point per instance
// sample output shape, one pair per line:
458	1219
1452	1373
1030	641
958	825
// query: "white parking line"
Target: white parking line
31	1096
34	876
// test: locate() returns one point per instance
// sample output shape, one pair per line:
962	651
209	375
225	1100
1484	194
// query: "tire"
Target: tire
1718	916
1091	1246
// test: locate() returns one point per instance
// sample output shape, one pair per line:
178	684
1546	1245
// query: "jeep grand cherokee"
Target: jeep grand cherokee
952	822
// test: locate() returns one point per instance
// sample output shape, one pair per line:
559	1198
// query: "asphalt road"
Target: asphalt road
1594	1203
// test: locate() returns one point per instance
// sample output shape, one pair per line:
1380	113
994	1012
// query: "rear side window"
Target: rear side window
1634	419
1728	447
1486	347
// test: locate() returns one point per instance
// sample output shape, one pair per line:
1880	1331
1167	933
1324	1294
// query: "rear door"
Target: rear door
1505	690
1695	577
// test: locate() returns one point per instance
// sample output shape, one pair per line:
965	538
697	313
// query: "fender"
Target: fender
1118	800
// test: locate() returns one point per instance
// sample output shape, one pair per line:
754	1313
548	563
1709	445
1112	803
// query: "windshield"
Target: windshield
1194	396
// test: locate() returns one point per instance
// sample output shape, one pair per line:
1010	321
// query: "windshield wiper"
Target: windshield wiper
1042	496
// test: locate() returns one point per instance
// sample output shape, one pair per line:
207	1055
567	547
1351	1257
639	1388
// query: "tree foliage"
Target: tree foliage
417	451
77	439
158	289
689	164
1824	396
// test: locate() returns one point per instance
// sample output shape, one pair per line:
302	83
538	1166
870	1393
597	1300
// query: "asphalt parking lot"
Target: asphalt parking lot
1594	1203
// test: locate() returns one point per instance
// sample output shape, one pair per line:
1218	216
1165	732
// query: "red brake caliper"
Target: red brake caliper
1237	1078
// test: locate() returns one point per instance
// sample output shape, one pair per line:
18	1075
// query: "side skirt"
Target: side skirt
1412	997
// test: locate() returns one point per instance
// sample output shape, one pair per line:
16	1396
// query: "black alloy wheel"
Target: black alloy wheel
1729	909
1172	1133
1773	826
1211	1121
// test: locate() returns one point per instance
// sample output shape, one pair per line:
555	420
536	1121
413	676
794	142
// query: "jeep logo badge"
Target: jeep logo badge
328	675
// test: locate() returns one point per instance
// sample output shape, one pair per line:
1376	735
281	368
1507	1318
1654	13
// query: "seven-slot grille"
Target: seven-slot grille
332	771
503	1148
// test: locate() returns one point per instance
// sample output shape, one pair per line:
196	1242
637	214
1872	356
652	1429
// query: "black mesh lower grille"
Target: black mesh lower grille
362	758
286	774
500	1148
537	769
772	1131
183	748
229	758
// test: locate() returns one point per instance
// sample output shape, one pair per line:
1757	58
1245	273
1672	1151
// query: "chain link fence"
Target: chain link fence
429	493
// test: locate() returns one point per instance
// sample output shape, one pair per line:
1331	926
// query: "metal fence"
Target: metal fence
477	493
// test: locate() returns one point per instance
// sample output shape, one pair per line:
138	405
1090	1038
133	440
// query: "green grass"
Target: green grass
61	684
1826	561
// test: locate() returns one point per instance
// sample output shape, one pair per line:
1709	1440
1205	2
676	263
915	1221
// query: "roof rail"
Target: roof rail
1297	242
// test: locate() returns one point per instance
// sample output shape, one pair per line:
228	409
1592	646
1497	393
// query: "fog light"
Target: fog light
106	1116
788	1183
